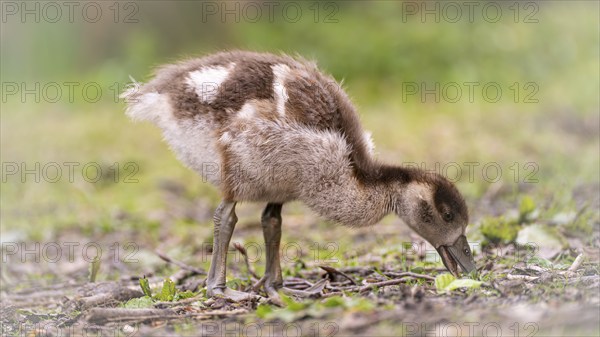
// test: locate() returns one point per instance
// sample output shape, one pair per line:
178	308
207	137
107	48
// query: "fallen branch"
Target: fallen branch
180	264
409	274
297	284
119	294
242	250
401	279
361	270
107	315
522	277
332	271
179	276
37	291
381	284
256	287
585	280
576	264
180	302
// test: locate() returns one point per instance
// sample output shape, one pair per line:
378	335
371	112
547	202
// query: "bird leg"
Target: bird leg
273	281
225	220
271	224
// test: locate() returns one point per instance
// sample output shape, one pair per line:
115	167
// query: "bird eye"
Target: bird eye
467	252
448	216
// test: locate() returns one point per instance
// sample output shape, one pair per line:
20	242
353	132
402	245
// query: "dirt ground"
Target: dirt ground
376	288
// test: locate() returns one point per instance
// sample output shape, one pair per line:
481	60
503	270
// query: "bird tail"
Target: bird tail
143	105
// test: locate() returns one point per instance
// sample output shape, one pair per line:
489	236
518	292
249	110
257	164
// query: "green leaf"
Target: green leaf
167	294
526	208
334	301
292	305
540	261
235	284
446	282
527	205
184	294
463	283
287	316
263	310
94	267
145	286
137	303
500	230
443	280
361	304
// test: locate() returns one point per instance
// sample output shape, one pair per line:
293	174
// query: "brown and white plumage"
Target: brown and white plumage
273	128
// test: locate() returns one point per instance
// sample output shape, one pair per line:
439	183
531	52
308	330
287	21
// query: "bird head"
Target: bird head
435	209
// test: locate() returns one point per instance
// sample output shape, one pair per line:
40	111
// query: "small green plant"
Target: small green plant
168	293
500	230
297	310
94	268
145	286
139	303
527	210
447	283
503	230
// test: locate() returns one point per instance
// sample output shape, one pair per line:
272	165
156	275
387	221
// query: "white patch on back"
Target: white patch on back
280	72
206	81
369	142
247	111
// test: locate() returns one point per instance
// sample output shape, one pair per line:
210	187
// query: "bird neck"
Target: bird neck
352	198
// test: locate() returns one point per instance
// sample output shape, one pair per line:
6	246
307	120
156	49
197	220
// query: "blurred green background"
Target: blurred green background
379	49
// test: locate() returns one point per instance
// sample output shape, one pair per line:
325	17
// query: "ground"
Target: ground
536	245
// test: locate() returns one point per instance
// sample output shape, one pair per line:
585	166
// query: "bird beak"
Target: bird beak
459	254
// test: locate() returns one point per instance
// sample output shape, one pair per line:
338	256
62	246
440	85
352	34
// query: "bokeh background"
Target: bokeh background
380	49
542	131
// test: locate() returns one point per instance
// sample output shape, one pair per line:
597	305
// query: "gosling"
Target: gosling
273	128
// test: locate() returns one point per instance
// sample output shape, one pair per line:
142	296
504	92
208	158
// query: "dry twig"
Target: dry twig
522	277
332	271
401	279
179	264
242	251
107	315
576	264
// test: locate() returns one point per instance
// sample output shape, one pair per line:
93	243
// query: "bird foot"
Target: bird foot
233	295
